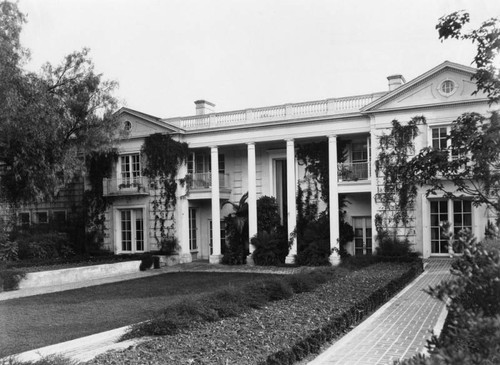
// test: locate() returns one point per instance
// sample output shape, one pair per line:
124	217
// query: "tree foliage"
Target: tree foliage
49	120
487	41
471	162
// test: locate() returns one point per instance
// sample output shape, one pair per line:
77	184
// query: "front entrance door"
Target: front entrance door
132	230
362	235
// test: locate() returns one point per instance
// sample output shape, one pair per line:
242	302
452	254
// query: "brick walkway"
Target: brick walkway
397	330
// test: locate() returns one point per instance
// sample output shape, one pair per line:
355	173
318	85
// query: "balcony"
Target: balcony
200	185
126	186
318	108
353	171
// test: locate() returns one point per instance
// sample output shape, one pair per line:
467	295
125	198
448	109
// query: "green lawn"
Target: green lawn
32	322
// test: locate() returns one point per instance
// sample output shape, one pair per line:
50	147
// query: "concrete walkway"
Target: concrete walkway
399	329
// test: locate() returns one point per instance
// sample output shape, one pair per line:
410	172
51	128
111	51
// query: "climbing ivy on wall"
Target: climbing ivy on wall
396	178
163	157
99	166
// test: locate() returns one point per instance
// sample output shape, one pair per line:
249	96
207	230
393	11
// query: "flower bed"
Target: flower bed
281	332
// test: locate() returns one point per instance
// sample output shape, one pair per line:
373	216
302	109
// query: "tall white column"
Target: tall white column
182	212
291	186
333	199
373	179
252	197
216	254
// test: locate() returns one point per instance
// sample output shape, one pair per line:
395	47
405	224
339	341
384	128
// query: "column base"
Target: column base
250	261
215	259
185	258
334	259
290	259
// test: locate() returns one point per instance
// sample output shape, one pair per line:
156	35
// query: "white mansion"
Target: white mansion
253	150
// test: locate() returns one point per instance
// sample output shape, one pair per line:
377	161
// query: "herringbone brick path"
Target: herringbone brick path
397	330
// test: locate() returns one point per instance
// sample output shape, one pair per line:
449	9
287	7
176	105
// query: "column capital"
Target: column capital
289	139
332	136
250	144
214	147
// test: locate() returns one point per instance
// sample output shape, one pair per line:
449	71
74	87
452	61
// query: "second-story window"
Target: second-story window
359	152
199	163
441	141
130	167
439	138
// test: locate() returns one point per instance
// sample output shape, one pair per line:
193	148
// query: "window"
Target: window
199	163
458	213
222	237
193	243
132	230
441	140
130	168
59	216
359	152
447	88
24	219
41	217
127	125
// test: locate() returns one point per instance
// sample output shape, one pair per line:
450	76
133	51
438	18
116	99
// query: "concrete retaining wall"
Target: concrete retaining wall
76	274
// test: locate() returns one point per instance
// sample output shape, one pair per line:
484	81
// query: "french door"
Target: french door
362	235
456	212
132	230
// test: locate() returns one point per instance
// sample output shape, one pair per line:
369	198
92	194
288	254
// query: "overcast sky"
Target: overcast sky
238	54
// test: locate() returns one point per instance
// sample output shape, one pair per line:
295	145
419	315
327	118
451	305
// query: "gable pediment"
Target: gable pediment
141	125
447	83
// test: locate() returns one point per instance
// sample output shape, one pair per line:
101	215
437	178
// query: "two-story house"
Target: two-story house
253	150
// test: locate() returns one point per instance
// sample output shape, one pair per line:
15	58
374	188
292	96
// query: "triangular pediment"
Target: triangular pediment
136	124
446	83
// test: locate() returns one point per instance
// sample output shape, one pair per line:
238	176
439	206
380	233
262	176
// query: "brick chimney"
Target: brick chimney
395	81
204	107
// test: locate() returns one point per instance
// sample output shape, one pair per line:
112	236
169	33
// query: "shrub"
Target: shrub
146	262
391	245
268	216
42	245
270	248
472	330
10	279
313	243
9	251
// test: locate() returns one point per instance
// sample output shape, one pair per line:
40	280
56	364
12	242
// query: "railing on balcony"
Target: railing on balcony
277	112
353	171
138	185
203	180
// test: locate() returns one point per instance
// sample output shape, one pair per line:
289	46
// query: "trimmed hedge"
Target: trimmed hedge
338	325
227	302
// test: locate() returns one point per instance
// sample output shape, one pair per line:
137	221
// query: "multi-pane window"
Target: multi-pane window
462	216
222	237
59	216
132	230
193	242
24	219
200	163
359	152
439	215
439	138
130	168
42	217
456	212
